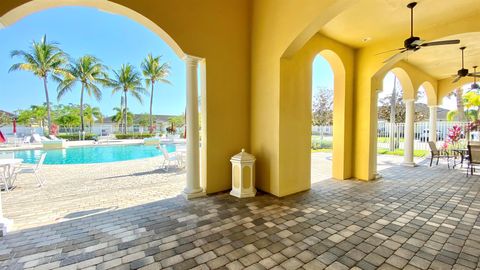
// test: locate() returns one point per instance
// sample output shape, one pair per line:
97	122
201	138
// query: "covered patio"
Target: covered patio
250	61
412	218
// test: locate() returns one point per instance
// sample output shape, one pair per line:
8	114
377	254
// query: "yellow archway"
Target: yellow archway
192	63
294	118
339	81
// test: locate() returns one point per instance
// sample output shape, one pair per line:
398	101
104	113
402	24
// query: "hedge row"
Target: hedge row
74	137
133	136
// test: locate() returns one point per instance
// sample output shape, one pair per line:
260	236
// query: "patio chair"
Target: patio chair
435	153
473	157
168	158
35	170
4	169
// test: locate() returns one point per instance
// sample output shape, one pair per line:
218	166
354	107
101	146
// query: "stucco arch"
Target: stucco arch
340	159
106	6
430	92
295	115
405	80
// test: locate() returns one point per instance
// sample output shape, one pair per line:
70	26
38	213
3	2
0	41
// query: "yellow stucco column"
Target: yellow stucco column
432	126
193	189
409	132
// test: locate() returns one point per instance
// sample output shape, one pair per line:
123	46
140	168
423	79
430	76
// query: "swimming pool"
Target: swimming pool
92	154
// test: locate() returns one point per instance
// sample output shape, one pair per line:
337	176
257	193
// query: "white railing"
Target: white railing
421	134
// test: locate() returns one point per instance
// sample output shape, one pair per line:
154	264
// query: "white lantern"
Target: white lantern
243	175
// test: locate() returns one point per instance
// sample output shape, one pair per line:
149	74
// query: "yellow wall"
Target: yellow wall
216	30
273	35
296	112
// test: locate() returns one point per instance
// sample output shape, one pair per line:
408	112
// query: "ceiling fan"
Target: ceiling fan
463	72
414	43
475	85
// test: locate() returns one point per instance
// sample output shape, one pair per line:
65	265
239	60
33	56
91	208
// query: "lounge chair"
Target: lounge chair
33	169
473	157
168	158
27	139
435	153
38	139
55	138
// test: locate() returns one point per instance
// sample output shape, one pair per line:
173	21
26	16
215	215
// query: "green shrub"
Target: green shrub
133	136
321	144
74	137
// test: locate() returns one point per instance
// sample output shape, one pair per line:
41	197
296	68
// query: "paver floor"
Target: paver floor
412	218
74	191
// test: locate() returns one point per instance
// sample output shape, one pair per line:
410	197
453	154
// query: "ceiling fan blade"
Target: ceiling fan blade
399	49
397	57
441	42
418	42
474	75
457	78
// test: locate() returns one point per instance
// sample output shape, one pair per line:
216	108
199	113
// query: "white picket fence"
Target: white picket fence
421	132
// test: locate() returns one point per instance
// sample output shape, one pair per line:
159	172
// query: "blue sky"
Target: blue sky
322	74
112	38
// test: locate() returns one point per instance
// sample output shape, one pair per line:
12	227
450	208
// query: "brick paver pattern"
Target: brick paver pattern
412	218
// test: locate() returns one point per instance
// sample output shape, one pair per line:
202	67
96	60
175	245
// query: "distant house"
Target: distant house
11	115
161	122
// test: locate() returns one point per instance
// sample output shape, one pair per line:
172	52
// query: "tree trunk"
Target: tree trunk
49	118
151	106
82	127
460	108
125	121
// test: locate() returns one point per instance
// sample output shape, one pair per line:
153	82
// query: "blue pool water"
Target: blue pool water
92	154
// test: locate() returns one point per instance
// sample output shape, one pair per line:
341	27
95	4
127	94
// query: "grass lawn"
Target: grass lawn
322	150
399	152
387	139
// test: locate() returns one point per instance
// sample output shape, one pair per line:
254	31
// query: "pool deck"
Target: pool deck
76	191
38	146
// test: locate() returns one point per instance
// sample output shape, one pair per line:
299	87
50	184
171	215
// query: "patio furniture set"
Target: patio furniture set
470	154
10	167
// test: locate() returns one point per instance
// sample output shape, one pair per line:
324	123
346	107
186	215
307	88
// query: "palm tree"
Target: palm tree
44	60
154	71
88	71
127	80
460	112
119	115
91	114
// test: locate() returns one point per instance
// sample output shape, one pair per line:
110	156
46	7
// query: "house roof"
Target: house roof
7	113
137	117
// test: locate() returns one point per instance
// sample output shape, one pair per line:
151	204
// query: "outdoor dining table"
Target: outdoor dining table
462	152
8	165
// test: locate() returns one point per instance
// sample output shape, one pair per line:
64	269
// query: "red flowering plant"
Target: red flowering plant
473	126
445	144
54	129
453	137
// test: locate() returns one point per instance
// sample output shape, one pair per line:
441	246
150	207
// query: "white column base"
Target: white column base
192	194
245	194
409	164
5	226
